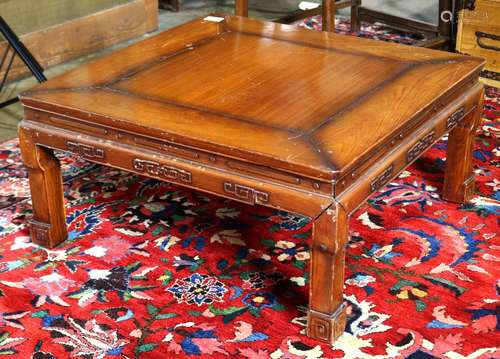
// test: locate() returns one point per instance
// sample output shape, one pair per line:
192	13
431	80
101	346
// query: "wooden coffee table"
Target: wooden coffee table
262	113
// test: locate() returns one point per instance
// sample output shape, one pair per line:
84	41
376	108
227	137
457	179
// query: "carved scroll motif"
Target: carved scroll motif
246	194
327	327
320	328
420	147
455	118
158	170
84	150
381	180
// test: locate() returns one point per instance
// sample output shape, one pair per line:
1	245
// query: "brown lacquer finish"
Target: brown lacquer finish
459	181
48	226
241	7
261	113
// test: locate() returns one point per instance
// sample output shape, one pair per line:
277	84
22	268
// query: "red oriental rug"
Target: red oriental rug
152	270
371	31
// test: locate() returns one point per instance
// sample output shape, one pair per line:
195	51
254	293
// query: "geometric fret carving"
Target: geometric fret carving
321	328
381	180
39	232
84	150
327	327
158	170
455	118
420	147
246	194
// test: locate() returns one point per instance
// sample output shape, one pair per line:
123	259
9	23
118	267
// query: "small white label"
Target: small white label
308	5
214	19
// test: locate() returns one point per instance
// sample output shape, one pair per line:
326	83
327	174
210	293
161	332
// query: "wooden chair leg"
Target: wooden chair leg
459	180
242	8
48	226
355	23
327	313
445	21
328	17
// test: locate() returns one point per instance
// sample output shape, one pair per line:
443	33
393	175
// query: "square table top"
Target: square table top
301	101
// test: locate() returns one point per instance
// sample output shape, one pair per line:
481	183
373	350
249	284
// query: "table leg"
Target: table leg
328	16
355	23
327	313
48	226
241	8
459	180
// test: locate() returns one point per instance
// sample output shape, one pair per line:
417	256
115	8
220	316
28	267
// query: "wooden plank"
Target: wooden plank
434	43
241	8
25	18
477	30
396	22
81	36
490	82
151	12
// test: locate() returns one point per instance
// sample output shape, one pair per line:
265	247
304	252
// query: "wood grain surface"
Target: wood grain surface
310	102
70	39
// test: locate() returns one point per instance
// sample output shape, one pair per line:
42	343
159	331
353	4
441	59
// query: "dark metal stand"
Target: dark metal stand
25	55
